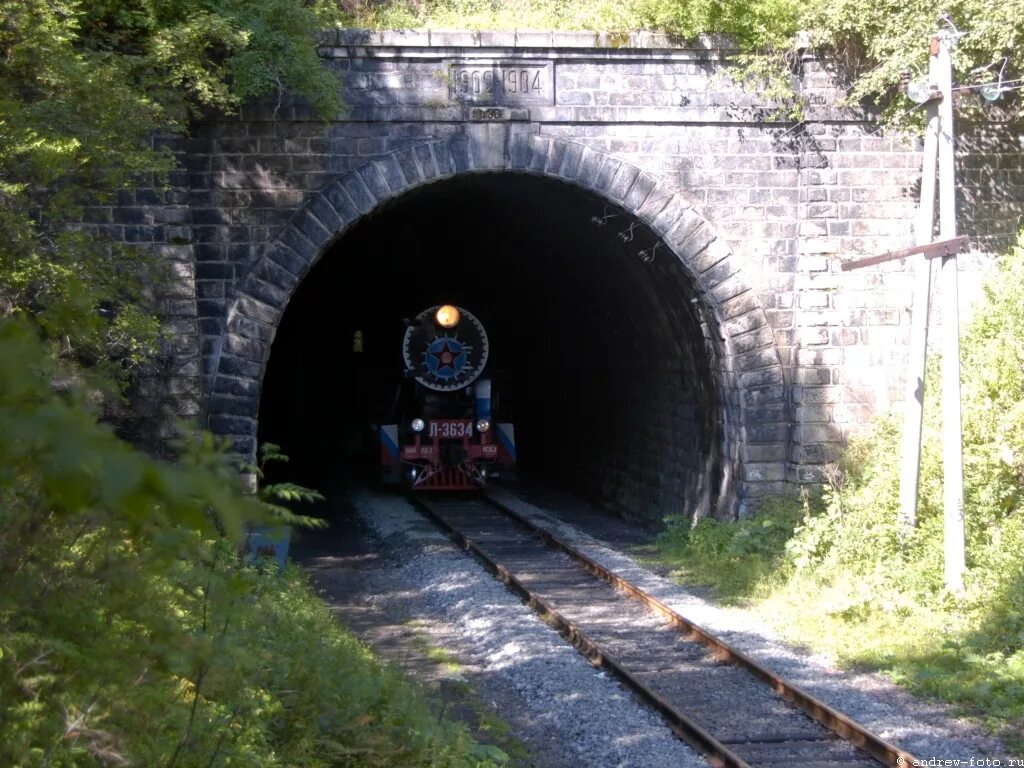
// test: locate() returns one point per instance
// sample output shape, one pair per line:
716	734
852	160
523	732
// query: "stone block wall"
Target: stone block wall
158	219
791	201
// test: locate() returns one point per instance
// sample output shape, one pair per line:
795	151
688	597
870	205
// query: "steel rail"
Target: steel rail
843	726
717	753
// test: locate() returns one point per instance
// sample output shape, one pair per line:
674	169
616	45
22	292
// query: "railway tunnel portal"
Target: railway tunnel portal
656	256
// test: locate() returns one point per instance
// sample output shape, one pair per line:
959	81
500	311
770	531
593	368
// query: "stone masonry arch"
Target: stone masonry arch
800	353
749	373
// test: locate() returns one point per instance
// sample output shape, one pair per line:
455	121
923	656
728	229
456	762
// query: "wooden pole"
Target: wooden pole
910	468
914	398
933	250
952	447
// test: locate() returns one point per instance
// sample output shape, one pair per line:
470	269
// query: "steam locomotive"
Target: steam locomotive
445	438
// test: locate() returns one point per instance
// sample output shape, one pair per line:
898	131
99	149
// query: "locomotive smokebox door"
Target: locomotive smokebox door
445	348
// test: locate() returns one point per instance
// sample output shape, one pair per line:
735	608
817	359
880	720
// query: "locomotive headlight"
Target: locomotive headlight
447	316
417	425
483	425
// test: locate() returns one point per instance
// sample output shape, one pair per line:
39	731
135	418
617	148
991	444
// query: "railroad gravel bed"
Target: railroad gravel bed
726	700
510	656
925	729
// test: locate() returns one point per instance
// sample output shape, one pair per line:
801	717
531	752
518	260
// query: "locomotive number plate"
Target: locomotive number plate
450	429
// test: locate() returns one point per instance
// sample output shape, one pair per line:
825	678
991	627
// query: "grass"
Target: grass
425	646
485	723
737	561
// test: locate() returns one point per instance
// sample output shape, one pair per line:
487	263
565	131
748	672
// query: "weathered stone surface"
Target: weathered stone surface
589	164
235	386
487	145
462	158
392	174
233	425
609	167
247	328
253	308
282	266
675	210
375	182
406	160
540	147
623	181
357	192
639	192
272	271
301	246
240	367
519	148
326	215
425	158
314	230
444	158
245	347
571	161
341	202
235	406
760	338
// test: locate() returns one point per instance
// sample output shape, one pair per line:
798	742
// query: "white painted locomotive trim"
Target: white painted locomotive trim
927	729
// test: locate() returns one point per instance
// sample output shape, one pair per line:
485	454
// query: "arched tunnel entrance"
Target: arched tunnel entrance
599	350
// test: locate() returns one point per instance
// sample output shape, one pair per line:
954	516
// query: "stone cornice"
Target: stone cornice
429	43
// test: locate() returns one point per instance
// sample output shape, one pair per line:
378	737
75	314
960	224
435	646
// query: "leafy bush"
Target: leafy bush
131	634
739	558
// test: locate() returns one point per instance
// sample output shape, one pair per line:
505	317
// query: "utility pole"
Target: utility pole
913	414
937	95
952	437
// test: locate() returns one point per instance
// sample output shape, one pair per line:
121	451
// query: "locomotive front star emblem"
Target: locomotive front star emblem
445	358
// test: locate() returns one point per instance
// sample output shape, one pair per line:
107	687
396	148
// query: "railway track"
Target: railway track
735	711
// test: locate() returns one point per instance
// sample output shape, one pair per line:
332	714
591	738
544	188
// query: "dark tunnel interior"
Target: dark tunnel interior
598	356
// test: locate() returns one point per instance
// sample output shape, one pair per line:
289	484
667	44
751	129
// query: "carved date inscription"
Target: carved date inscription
501	83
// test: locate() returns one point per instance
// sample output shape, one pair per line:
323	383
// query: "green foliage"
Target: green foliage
495	14
847	580
738	559
872	43
752	24
85	88
276	497
131	634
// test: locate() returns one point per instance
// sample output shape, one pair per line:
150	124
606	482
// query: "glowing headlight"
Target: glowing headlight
447	316
417	425
483	425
